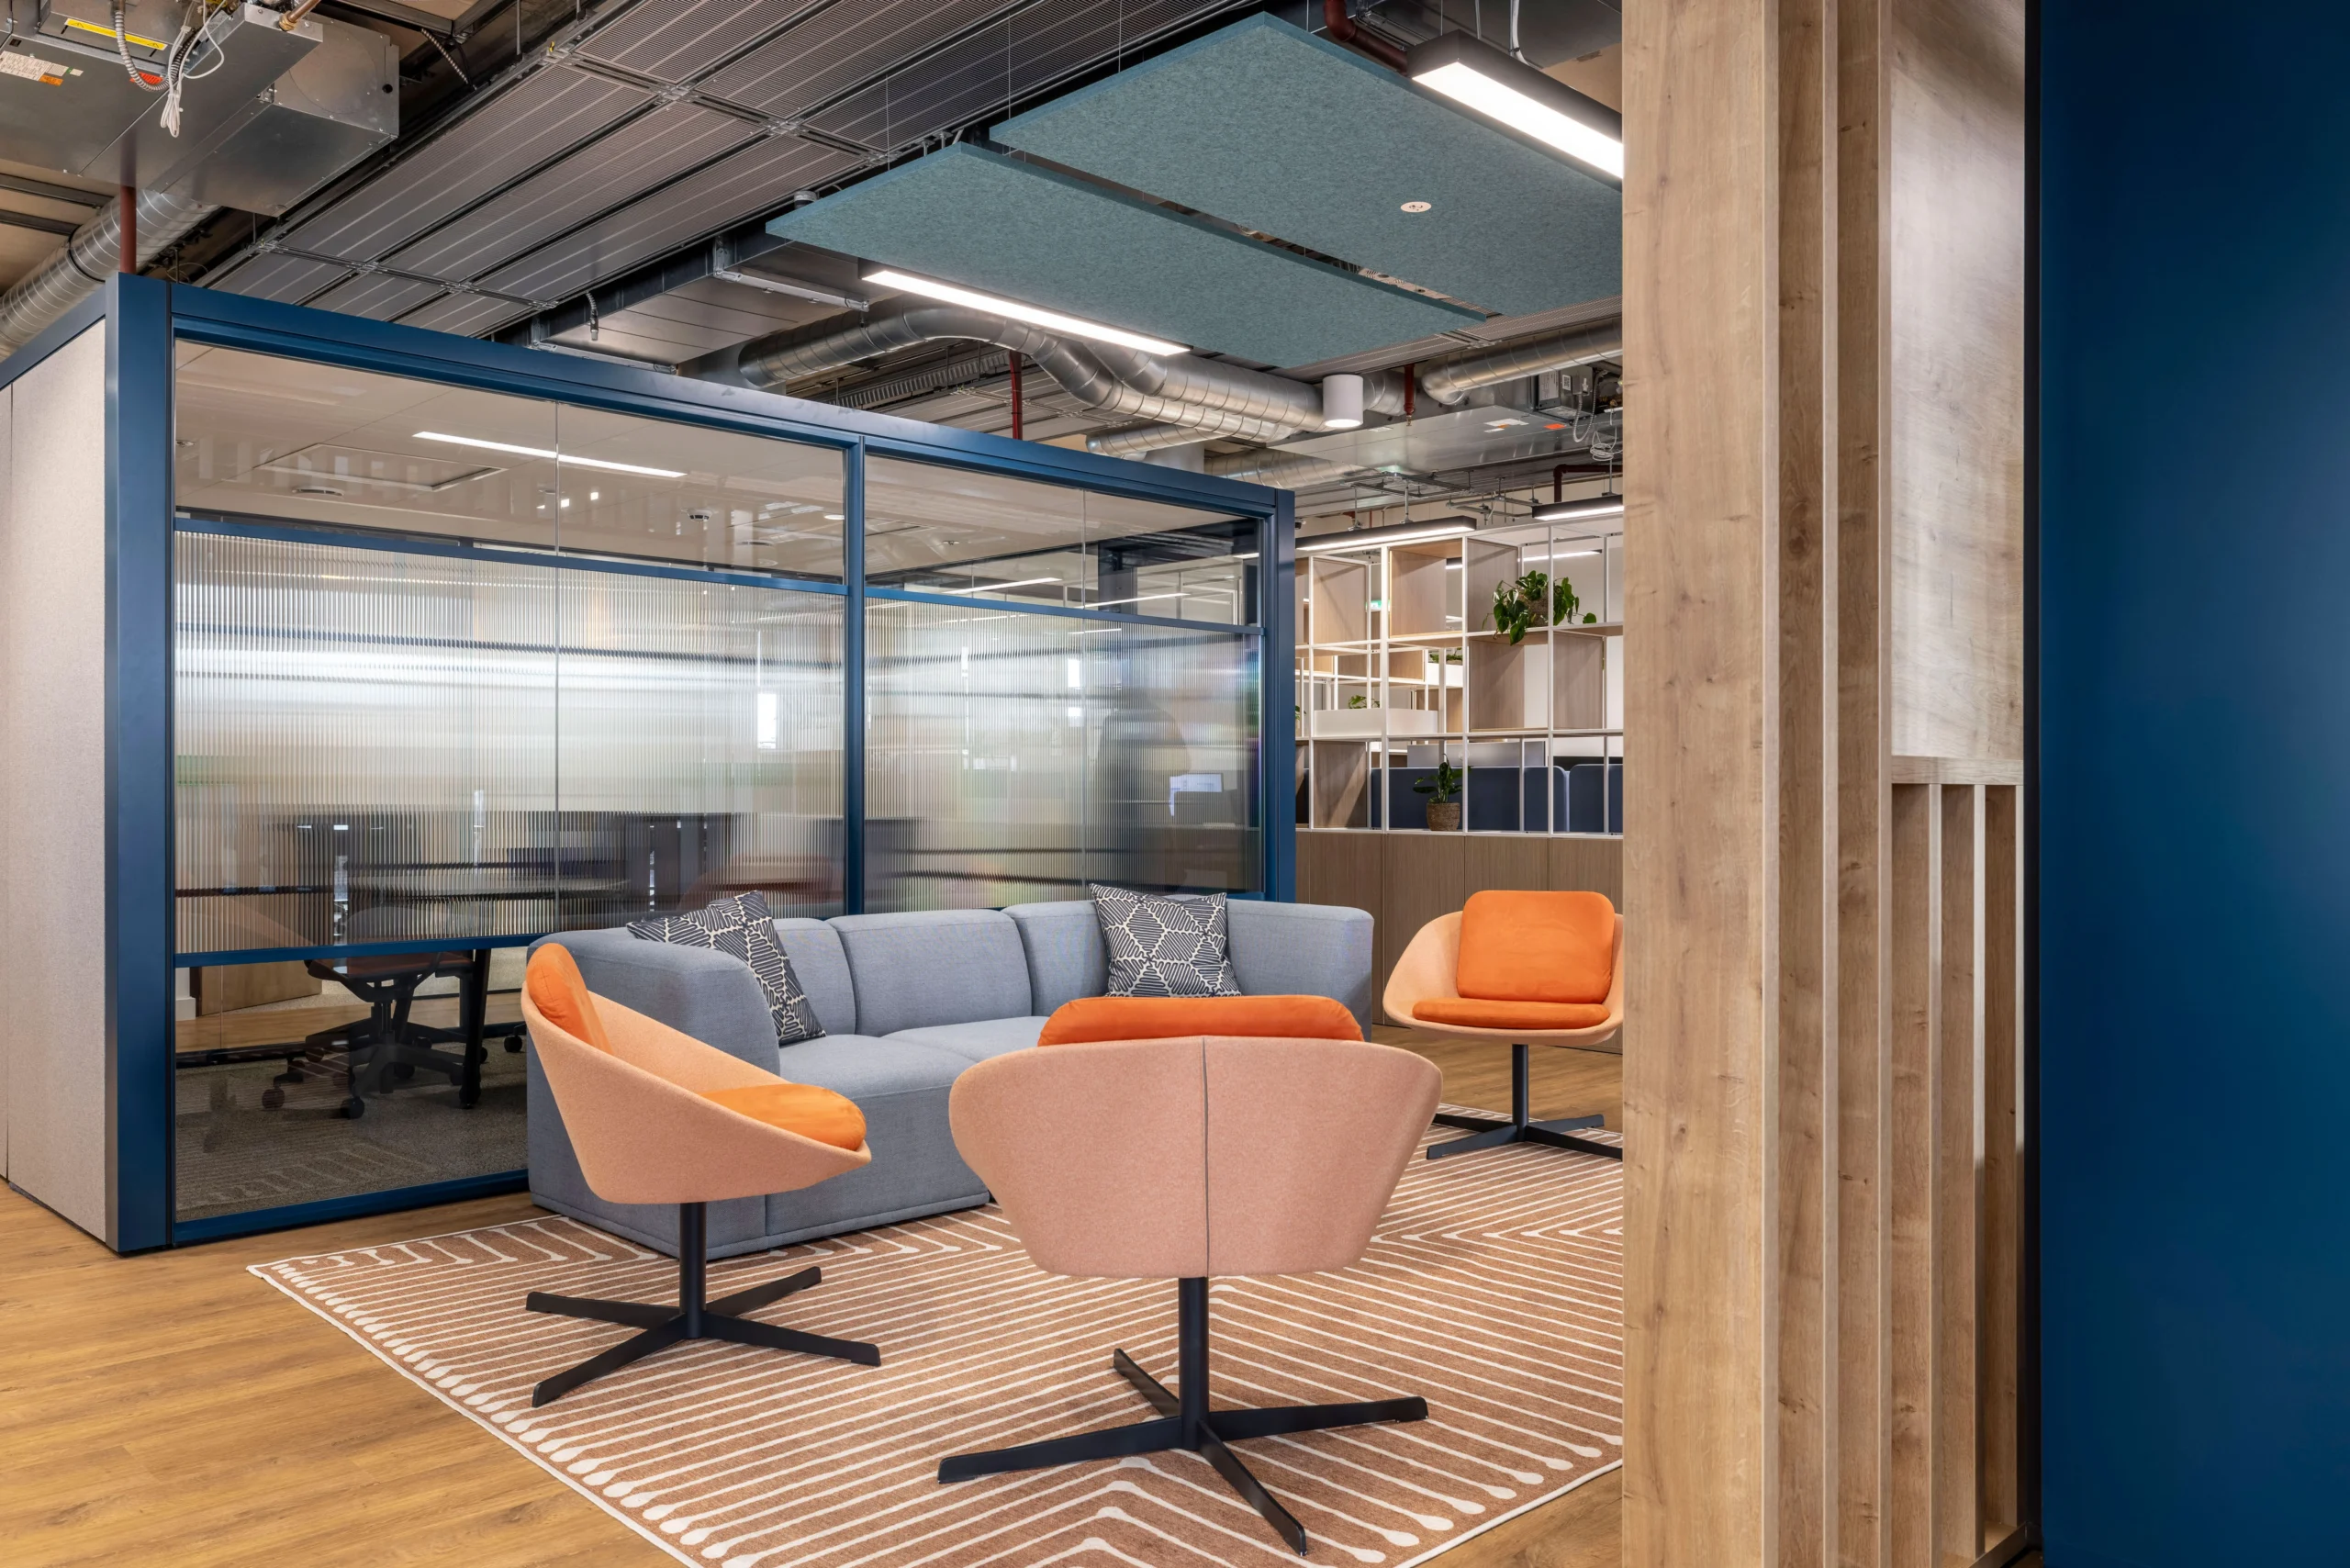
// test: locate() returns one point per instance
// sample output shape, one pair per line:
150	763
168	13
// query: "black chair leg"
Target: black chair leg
694	1318
1185	1424
1521	1127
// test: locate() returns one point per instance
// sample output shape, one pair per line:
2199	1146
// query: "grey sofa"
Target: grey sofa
907	1002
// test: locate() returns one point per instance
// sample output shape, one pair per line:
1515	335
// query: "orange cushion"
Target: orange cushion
1163	1017
815	1114
562	997
1533	1016
1521	947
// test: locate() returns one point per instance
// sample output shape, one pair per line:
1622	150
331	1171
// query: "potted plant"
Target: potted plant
1520	604
1443	790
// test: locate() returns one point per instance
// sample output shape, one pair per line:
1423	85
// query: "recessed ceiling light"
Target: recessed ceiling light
1052	320
1418	206
316	490
835	517
1480	77
557	456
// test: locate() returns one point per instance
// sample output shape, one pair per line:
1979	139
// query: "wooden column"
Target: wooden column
1823	232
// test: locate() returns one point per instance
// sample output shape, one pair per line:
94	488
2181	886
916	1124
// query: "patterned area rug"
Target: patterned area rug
1493	1289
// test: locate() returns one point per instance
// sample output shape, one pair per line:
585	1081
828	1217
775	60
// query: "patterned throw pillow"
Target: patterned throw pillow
1165	944
741	927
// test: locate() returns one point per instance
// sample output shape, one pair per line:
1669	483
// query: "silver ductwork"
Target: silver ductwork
1450	379
1283	470
1204	398
89	258
1182	399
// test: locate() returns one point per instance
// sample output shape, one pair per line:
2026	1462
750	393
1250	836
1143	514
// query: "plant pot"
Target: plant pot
1444	817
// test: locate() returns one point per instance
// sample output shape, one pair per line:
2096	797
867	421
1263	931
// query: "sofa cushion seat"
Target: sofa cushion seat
1094	1018
864	1067
976	1042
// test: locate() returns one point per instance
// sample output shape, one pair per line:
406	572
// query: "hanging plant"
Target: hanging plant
1564	604
1521	604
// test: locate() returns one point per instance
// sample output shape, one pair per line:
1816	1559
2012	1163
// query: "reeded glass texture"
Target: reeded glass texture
1016	758
949	530
380	745
261	436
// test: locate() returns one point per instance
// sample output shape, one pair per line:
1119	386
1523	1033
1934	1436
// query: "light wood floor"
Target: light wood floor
170	1408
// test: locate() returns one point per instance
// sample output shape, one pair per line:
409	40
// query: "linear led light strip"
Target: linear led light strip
1053	320
556	456
1370	539
1478	76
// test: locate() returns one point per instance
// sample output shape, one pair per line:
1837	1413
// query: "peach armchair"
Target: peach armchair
1563	954
658	1117
1179	1159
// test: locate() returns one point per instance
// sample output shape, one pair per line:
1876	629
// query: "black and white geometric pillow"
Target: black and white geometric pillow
1165	944
742	926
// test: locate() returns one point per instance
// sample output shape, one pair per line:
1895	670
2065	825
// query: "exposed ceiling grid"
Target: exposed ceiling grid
608	173
678	40
537	120
562	178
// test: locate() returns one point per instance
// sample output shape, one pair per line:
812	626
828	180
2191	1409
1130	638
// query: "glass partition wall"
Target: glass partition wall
456	665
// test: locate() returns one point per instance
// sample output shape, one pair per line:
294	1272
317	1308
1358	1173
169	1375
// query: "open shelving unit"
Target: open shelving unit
1399	666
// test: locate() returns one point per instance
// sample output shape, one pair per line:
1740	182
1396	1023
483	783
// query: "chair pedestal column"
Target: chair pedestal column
693	1318
1186	1424
1521	1127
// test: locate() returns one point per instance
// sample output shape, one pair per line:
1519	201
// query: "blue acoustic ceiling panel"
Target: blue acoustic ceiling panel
1008	227
1278	132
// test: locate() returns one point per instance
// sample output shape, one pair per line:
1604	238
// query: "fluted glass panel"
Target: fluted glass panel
1016	758
382	745
366	745
701	746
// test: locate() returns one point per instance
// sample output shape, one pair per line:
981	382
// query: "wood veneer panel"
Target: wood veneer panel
2000	1330
1805	1132
1958	1164
1913	919
1590	863
1343	868
1958	148
1700	495
1864	741
1425	876
1504	860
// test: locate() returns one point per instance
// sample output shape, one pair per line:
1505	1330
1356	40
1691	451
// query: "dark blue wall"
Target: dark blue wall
2195	734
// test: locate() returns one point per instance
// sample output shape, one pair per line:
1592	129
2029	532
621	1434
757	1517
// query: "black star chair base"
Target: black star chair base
1183	1159
693	1318
1186	1425
1521	1127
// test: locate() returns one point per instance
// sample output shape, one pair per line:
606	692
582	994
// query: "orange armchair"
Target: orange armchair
658	1117
1178	1159
1539	967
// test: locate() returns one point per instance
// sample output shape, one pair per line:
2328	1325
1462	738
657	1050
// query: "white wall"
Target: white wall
52	783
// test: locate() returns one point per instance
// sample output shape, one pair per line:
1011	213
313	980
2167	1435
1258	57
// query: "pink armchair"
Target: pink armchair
1178	1159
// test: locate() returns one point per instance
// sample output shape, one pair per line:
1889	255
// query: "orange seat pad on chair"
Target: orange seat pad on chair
1540	1017
820	1116
562	996
1091	1018
1524	947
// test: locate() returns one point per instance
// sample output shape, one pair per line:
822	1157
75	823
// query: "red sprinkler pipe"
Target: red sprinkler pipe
128	259
1341	27
1015	395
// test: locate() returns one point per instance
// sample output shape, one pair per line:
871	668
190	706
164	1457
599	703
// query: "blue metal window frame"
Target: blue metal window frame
145	319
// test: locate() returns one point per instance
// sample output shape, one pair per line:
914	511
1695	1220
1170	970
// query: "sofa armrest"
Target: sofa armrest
695	990
1303	950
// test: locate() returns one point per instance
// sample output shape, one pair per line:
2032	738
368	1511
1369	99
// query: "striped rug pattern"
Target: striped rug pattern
1493	1289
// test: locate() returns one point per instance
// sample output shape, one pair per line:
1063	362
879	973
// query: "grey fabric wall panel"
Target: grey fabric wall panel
529	123
53	782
